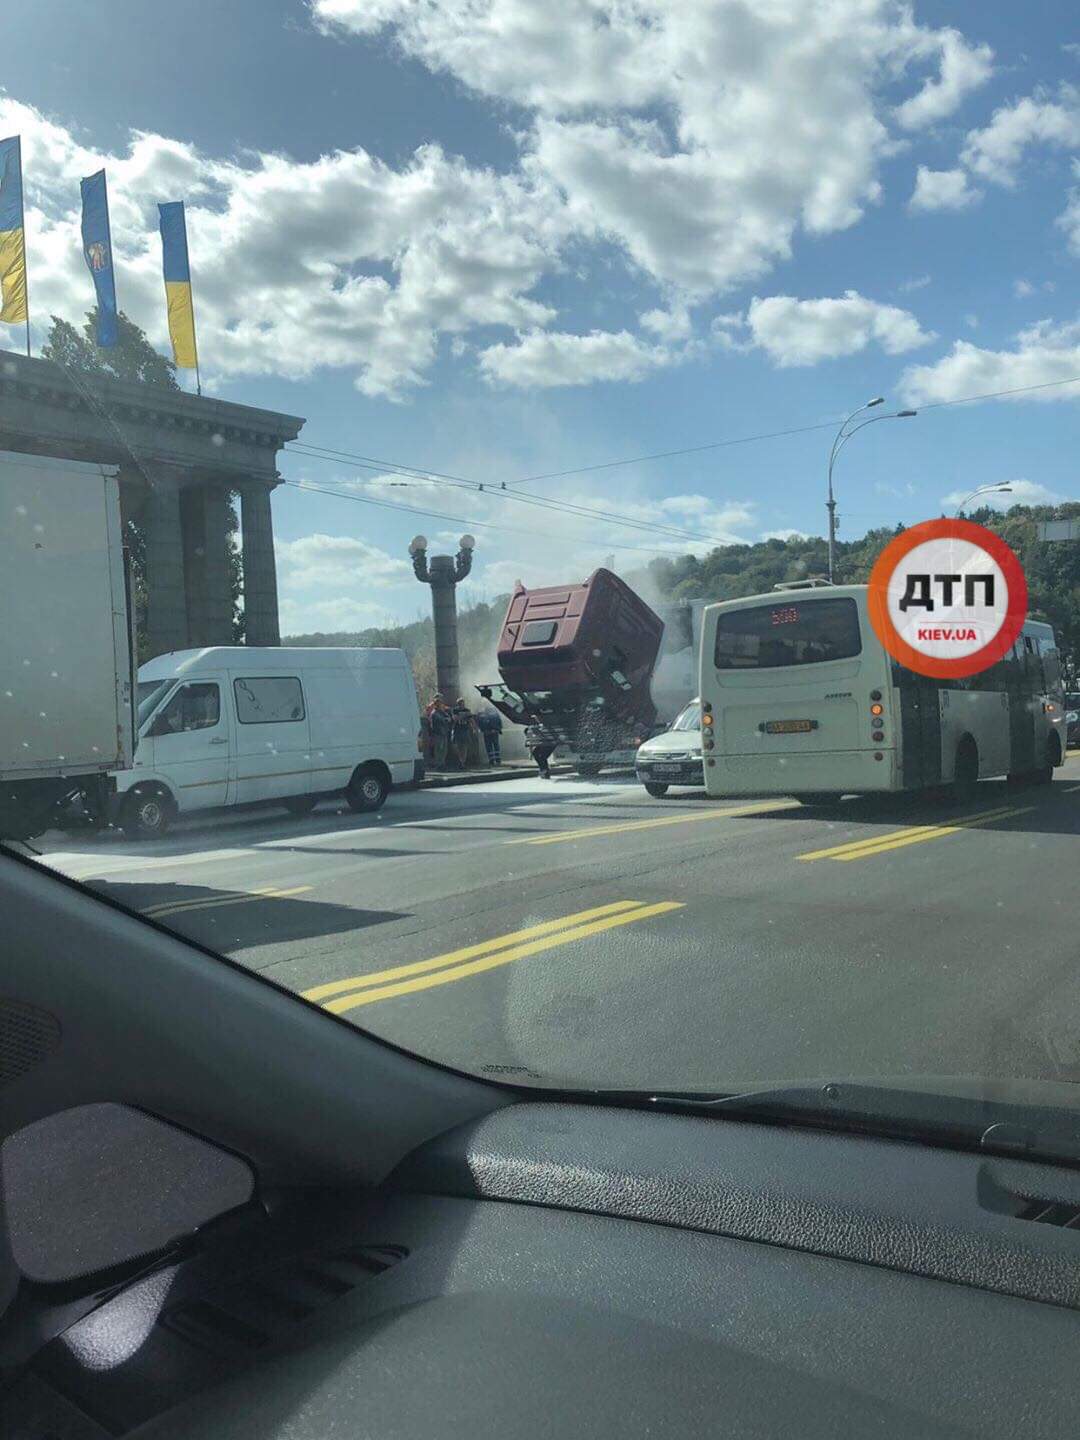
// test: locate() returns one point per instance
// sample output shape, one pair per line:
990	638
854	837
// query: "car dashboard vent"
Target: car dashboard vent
255	1309
1051	1212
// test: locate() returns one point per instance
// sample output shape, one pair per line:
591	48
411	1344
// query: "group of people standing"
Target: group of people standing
454	736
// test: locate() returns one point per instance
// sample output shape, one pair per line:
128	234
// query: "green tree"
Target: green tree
134	359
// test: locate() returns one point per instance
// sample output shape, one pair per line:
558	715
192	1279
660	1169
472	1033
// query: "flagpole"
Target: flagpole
26	263
191	288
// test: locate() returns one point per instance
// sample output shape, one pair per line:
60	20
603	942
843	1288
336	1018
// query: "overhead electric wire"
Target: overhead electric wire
373	462
609	517
474	524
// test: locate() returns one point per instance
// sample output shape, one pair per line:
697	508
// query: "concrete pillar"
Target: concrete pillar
206	575
260	575
166	602
444	615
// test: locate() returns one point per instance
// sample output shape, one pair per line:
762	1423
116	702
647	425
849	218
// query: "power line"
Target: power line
610	517
373	462
473	524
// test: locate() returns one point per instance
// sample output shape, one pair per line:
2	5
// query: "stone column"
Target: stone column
166	602
260	574
206	574
444	615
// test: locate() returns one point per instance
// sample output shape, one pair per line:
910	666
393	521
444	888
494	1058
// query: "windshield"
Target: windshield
148	694
688	719
460	396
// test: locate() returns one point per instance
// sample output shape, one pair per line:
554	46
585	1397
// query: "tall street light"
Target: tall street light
1003	489
843	435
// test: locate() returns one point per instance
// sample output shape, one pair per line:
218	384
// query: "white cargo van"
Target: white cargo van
234	725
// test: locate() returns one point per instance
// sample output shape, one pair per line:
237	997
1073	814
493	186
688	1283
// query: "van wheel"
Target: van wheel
300	804
654	789
147	813
965	771
367	790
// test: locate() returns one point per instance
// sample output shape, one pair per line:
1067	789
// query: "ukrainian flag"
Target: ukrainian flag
12	241
174	255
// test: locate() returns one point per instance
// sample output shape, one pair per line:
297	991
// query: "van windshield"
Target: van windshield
149	693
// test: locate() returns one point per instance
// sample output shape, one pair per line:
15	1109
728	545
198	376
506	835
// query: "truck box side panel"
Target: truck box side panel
64	656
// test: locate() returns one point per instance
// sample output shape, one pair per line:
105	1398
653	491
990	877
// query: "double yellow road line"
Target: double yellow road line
241	897
912	835
760	807
342	995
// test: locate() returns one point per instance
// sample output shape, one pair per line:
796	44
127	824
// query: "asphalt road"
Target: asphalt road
580	933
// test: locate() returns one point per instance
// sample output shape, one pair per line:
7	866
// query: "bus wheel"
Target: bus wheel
966	770
1045	773
654	789
815	797
146	814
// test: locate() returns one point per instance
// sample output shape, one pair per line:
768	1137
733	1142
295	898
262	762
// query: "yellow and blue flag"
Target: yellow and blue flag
97	247
13	304
181	307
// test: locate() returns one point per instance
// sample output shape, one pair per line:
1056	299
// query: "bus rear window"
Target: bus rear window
790	632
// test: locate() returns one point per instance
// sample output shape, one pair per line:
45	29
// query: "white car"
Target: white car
673	758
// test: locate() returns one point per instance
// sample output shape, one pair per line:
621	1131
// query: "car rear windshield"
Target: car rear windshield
790	632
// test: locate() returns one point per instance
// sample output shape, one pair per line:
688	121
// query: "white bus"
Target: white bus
800	698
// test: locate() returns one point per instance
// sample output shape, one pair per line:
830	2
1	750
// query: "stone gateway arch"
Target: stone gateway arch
180	457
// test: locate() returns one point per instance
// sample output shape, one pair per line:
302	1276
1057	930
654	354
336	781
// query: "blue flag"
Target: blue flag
97	247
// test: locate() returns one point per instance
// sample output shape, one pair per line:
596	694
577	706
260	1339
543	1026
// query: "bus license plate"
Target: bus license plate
788	727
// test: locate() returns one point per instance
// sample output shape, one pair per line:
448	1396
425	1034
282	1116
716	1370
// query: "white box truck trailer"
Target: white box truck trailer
66	641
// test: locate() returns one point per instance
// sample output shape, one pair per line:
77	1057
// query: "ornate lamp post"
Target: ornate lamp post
442	573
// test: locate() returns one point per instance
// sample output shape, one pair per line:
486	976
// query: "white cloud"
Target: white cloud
919	282
1044	353
668	128
1023	288
971	320
543	359
320	561
995	152
1022	492
664	131
964	68
941	190
784	535
305	617
1069	219
802	332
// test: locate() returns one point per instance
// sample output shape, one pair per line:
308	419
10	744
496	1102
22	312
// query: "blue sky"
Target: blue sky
498	237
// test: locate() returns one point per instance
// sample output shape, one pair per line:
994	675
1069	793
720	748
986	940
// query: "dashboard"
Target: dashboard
553	1269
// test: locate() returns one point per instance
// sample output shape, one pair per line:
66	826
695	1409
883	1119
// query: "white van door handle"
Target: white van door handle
219	740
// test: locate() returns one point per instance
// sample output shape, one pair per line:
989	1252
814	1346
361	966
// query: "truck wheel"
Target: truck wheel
146	814
367	790
300	805
655	789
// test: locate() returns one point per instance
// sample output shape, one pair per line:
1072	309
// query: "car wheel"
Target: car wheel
300	804
655	789
367	790
146	814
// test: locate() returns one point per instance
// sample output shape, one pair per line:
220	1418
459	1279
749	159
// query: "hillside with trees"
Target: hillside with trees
730	571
